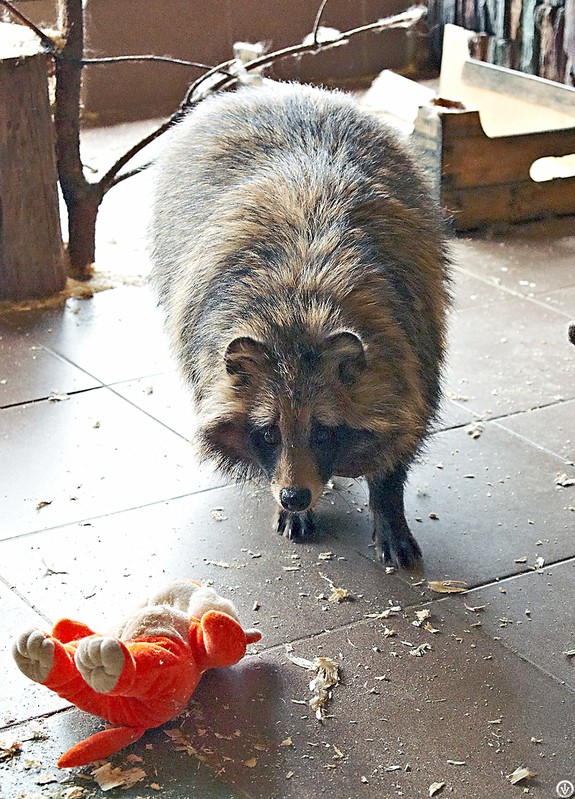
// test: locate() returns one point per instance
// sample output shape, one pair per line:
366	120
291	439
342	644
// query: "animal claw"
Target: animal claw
404	552
295	526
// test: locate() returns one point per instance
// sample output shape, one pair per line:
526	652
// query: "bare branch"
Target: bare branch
317	22
48	43
407	19
404	20
110	179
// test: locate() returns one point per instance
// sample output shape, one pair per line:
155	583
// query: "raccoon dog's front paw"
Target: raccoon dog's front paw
391	534
295	526
397	549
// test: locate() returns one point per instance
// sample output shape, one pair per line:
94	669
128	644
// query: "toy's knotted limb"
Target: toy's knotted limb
100	745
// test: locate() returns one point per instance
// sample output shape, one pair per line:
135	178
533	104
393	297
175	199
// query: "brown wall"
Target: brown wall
205	31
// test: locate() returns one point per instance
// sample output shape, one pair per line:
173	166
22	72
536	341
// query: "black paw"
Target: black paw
401	551
294	526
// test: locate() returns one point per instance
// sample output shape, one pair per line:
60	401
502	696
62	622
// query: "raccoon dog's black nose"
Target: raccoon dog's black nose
295	499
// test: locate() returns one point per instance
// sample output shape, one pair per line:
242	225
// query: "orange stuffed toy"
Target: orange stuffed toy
145	673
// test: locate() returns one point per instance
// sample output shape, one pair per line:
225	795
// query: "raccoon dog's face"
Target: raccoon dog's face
299	464
287	414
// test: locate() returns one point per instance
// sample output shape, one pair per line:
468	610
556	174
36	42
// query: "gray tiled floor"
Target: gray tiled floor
130	508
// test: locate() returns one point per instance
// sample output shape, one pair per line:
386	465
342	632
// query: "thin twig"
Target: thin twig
223	68
317	22
111	177
117	59
404	20
130	173
48	43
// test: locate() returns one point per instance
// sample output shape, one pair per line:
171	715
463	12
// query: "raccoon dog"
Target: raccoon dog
302	269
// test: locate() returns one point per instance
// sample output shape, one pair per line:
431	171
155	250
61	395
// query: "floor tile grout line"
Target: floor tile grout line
498	422
111	387
151	376
87	520
109	384
66	361
404	610
532	409
61	357
475	416
47	398
516	653
508	577
42	716
511	292
546	306
150	416
540	447
277	648
422	582
14	590
506	292
238	792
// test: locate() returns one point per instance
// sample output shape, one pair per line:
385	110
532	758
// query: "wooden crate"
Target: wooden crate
481	155
484	181
479	142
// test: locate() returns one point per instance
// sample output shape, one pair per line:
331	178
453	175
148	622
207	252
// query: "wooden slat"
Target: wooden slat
539	91
529	38
481	161
485	181
477	207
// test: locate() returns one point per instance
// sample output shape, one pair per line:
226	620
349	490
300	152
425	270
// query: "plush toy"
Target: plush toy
142	675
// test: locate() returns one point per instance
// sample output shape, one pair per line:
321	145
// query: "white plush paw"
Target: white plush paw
100	662
34	655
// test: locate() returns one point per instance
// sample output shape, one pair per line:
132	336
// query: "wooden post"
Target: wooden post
32	261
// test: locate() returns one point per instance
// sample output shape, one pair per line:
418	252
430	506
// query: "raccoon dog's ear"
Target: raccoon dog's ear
244	357
571	332
346	352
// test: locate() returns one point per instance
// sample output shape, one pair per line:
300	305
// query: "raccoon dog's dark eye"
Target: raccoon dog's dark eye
271	435
322	436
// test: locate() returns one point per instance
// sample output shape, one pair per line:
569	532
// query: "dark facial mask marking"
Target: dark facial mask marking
265	444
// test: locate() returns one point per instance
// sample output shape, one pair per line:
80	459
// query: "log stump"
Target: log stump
32	259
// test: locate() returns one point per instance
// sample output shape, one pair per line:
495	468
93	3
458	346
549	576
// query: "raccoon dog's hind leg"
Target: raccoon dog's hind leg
394	542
